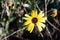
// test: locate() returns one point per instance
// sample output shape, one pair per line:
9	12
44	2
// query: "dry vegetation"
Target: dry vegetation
11	23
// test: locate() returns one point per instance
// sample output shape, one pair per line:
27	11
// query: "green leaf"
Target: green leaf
12	19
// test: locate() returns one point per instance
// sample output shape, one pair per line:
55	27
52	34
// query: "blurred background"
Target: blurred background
11	23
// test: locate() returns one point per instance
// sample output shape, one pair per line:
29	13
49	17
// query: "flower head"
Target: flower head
35	19
54	13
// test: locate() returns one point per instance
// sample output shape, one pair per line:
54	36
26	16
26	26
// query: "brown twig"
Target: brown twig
53	26
13	33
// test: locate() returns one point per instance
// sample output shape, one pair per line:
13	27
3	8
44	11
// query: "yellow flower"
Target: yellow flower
35	19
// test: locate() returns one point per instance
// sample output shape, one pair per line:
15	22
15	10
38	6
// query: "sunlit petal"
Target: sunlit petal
30	27
27	22
41	14
27	15
42	19
42	25
29	18
39	26
34	13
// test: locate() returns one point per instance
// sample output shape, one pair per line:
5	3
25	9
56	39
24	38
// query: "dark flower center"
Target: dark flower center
34	20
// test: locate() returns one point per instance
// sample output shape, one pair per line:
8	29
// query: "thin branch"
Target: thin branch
41	34
37	6
50	10
46	7
28	1
53	26
56	21
46	15
13	33
48	32
2	14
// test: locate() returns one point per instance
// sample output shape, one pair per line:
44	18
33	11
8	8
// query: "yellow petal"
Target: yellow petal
27	15
30	27
29	18
41	14
27	22
42	25
39	26
42	19
34	13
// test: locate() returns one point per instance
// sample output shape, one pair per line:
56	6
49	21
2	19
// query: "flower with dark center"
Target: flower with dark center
35	19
